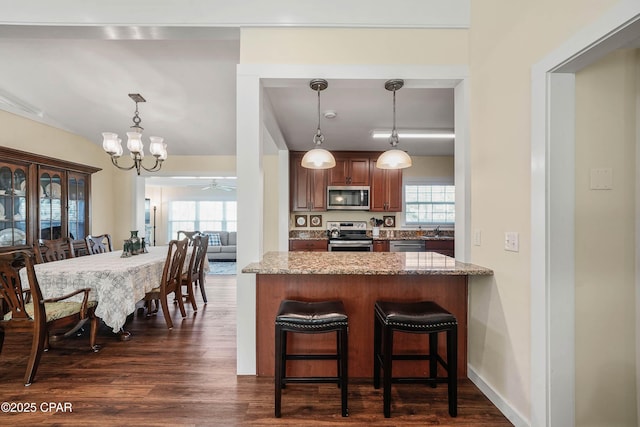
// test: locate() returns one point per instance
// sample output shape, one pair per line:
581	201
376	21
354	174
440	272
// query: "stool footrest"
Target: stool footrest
315	380
312	357
419	380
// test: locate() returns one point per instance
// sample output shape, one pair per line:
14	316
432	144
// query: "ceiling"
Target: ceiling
76	80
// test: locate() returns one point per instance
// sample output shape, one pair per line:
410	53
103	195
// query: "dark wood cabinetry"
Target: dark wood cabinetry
380	246
352	168
42	198
386	189
444	247
317	245
308	187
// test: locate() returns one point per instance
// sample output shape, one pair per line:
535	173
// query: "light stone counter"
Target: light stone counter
363	263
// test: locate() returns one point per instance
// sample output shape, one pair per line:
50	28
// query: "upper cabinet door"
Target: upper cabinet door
308	187
386	189
352	168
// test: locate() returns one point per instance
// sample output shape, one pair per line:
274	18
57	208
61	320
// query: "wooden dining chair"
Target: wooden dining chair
170	283
54	250
194	274
98	244
189	235
37	315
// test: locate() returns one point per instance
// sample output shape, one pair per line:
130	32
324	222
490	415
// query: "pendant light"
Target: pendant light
318	158
394	158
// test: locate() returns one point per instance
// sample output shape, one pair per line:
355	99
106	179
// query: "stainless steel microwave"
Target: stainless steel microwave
348	197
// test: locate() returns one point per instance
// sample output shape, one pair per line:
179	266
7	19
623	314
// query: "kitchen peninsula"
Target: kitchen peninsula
358	279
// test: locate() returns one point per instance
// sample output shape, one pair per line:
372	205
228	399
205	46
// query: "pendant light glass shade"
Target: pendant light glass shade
394	158
318	158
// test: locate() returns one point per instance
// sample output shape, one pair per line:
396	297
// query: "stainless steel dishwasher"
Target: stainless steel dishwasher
407	246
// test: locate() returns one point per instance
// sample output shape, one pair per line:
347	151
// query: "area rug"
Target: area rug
222	267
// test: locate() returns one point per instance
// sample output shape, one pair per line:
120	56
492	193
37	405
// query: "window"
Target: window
429	204
202	216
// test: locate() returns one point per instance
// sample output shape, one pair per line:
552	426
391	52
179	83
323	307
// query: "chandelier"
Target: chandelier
113	145
318	158
394	158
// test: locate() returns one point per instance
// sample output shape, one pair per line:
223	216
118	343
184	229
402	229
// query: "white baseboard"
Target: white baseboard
512	414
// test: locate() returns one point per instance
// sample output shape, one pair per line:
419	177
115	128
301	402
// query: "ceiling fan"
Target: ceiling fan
215	185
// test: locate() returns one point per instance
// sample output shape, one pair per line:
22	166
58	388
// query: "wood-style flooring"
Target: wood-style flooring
187	377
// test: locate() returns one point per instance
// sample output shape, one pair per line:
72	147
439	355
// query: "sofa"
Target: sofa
222	245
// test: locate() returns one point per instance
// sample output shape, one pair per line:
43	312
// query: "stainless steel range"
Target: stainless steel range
349	236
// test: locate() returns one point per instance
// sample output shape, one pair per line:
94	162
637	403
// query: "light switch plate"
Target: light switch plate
511	241
601	179
477	238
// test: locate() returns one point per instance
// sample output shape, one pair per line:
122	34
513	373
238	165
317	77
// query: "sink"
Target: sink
438	237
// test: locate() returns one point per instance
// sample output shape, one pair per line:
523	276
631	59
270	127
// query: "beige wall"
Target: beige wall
605	242
506	39
270	215
27	135
352	46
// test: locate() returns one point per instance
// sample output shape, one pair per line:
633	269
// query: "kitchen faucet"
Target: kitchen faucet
436	231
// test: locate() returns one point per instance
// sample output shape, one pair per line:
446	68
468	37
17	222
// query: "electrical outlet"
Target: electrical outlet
511	241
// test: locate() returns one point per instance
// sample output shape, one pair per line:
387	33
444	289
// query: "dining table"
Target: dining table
117	283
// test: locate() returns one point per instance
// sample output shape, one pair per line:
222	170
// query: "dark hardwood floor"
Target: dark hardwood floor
186	377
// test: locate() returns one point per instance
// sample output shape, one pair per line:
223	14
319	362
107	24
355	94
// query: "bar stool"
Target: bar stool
425	317
311	318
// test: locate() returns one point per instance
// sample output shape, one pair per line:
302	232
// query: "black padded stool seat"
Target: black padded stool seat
311	318
423	317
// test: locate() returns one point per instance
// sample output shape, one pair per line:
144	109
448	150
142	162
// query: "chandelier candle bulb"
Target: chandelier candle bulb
134	142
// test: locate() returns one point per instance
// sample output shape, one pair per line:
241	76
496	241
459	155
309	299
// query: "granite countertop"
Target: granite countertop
367	263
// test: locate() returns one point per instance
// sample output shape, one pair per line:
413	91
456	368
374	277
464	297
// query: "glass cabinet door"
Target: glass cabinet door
76	188
51	205
13	205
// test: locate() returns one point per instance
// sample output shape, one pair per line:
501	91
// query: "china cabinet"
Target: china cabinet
42	198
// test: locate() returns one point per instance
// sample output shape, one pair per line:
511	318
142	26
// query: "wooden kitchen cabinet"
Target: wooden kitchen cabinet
308	187
42	198
444	246
352	168
312	245
380	246
386	189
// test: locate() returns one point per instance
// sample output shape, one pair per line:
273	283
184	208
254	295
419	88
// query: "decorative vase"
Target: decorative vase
135	242
126	249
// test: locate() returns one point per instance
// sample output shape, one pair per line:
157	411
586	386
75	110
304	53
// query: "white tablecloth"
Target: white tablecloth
116	283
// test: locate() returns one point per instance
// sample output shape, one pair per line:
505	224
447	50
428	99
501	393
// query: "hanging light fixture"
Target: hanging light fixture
394	158
113	145
318	158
